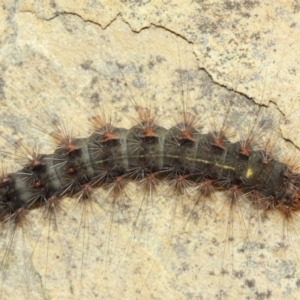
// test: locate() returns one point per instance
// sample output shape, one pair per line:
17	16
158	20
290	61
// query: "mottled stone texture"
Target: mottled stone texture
64	58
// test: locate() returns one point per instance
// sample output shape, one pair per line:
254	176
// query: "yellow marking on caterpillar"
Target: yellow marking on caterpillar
249	173
205	161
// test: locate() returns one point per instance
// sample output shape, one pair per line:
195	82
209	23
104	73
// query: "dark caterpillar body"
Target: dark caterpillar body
148	152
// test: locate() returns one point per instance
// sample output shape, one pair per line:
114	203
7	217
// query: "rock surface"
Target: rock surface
64	59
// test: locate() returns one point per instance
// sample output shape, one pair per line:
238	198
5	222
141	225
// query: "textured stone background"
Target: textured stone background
65	58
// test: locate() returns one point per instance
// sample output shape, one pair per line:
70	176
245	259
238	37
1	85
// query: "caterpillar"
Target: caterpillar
147	153
89	87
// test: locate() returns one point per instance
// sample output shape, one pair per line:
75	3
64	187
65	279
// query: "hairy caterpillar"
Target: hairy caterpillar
89	85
